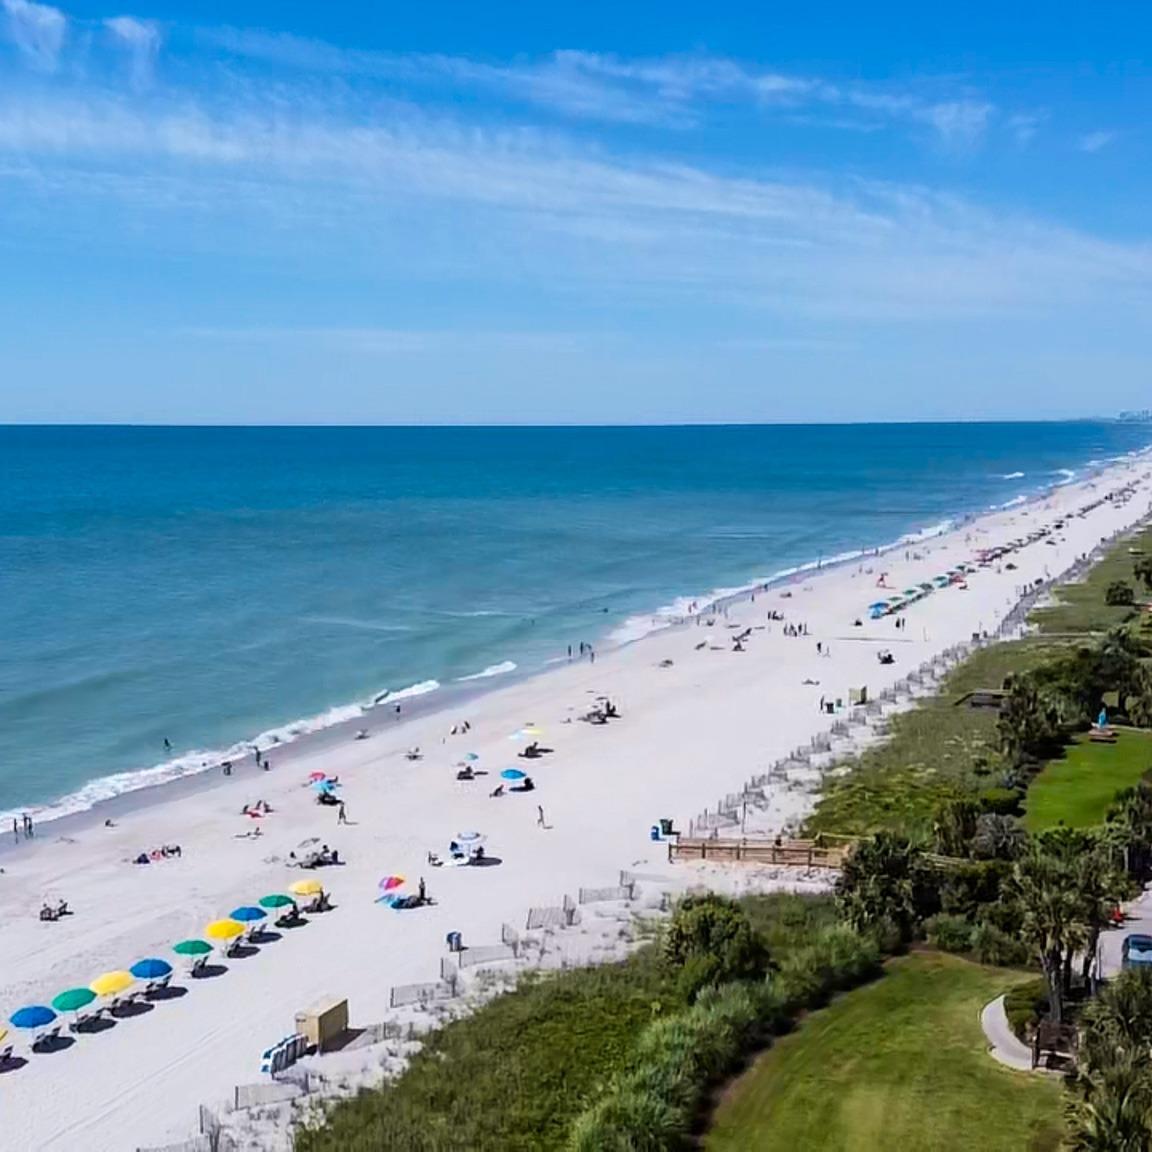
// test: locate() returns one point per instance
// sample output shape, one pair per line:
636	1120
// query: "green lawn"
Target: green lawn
935	751
1077	789
1081	608
896	1065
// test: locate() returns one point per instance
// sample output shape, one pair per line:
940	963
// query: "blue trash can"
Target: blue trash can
654	832
454	942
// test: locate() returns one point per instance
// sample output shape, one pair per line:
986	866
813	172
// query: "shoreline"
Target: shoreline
463	691
699	716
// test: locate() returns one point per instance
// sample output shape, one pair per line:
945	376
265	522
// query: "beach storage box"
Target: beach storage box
324	1022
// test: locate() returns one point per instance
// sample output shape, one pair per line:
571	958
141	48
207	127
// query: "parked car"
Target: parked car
1137	950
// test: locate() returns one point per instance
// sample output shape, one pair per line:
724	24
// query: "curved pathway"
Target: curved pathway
1006	1047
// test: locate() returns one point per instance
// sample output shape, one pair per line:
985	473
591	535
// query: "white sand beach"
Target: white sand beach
697	720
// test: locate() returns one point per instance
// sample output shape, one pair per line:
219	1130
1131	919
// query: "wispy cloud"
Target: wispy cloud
37	30
140	39
675	91
1095	141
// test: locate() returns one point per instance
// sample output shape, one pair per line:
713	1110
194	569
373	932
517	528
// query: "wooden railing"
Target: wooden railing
793	853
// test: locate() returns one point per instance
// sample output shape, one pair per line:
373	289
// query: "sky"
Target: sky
594	213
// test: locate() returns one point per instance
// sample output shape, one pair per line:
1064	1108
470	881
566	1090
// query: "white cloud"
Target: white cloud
532	209
141	39
959	123
1095	141
38	30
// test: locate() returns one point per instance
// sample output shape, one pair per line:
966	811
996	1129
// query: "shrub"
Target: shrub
836	960
968	887
1119	594
1025	1005
885	878
992	945
949	933
711	941
1002	801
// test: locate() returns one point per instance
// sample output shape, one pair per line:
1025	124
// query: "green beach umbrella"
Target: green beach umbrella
73	1000
192	948
277	900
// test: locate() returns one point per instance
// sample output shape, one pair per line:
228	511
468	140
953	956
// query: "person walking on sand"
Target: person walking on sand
540	816
15	829
341	815
422	892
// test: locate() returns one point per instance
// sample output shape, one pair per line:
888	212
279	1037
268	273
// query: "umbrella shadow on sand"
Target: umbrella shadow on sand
211	971
56	1044
13	1064
172	992
135	1008
486	861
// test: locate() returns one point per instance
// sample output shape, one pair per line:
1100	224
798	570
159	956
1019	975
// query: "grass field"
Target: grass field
1077	789
934	751
898	1064
1080	608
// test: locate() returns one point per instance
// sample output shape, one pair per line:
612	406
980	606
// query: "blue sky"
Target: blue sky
511	212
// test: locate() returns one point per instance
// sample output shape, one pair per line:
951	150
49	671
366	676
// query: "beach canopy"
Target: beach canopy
307	888
389	883
276	900
471	756
192	948
314	776
246	913
112	983
469	837
151	968
73	1000
33	1016
224	930
513	774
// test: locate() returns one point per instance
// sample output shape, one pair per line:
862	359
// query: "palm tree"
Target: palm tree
1110	1111
1046	890
883	880
1100	887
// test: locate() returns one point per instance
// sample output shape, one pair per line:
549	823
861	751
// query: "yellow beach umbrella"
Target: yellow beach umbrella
3	1033
112	983
224	930
307	888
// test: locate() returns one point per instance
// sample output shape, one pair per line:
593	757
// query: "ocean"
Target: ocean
208	585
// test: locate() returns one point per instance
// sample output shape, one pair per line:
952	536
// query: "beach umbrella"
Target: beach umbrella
927	586
878	604
150	969
224	930
469	837
246	913
33	1016
306	888
73	1000
471	756
276	900
112	983
192	948
513	774
314	776
389	883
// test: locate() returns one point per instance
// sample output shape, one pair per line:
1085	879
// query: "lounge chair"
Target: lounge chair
197	966
46	1037
5	1054
320	903
154	986
255	930
290	919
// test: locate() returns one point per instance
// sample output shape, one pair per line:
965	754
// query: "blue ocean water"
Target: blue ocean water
208	584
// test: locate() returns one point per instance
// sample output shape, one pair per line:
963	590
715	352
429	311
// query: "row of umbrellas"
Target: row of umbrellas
152	967
911	595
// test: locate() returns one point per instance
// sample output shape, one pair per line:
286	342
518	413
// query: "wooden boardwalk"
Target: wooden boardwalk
793	853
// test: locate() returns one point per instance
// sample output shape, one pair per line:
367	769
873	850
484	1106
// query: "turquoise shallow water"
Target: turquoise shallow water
205	585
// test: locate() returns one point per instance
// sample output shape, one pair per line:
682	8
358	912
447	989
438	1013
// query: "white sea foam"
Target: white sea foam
500	669
195	762
1012	476
1015	502
1069	475
422	689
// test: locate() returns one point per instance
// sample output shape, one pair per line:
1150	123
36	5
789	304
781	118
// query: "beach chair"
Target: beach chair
154	986
197	966
255	931
48	1036
5	1054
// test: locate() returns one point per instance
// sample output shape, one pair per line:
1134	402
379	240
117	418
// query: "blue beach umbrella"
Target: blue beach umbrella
34	1016
471	756
247	914
513	774
324	785
150	969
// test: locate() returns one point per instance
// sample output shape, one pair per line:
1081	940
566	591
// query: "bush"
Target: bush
1025	1005
968	887
710	942
992	945
1119	594
949	933
1002	801
678	1059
